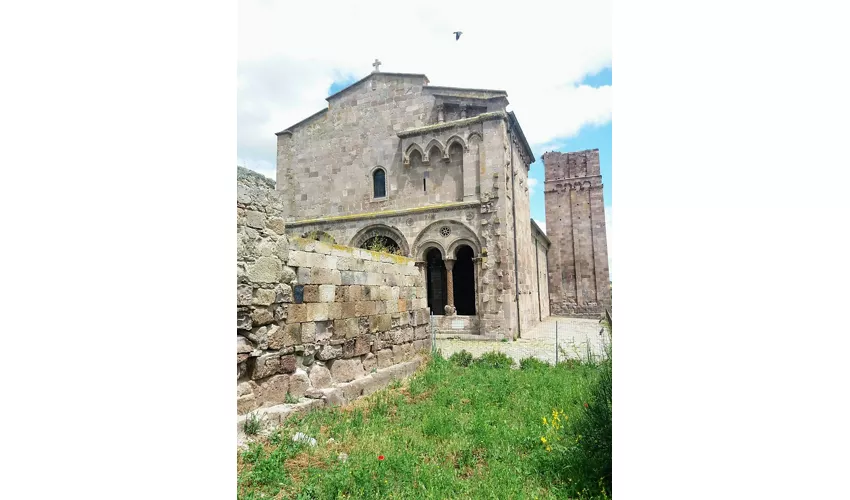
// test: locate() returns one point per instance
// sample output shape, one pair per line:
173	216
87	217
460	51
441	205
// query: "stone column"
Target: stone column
440	116
470	170
476	266
463	111
450	285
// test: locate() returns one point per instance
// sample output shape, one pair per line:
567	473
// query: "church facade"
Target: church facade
439	174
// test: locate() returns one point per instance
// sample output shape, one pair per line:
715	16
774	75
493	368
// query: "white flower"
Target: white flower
301	437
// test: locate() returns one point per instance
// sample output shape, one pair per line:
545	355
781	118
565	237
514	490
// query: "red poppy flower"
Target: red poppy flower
380	457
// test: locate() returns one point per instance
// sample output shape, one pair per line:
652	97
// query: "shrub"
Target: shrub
461	358
592	428
252	424
318	236
531	363
384	245
582	448
494	359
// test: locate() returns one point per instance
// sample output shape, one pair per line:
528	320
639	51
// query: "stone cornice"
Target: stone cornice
526	149
386	213
540	233
573	179
437	89
573	183
493	115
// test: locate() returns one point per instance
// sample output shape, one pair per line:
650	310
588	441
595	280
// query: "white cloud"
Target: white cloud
532	183
289	54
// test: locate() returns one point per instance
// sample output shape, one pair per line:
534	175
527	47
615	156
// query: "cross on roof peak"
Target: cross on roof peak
376	64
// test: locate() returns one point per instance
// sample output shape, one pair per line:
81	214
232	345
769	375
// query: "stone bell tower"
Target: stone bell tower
575	223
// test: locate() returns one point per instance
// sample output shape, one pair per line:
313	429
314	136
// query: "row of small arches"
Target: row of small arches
438	149
578	186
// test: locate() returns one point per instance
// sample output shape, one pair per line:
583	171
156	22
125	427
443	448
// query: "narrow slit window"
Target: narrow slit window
423	185
379	183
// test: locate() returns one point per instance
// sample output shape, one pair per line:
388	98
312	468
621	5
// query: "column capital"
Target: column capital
449	263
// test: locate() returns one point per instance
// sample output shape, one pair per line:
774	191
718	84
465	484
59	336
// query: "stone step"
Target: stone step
336	395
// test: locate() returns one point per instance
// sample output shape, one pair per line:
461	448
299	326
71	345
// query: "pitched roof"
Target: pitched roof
358	82
340	92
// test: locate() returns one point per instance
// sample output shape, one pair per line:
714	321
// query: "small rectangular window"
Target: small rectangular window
423	185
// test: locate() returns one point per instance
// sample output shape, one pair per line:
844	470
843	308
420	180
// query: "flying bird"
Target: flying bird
457	35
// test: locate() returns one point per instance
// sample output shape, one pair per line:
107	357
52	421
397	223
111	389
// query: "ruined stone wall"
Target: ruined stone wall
575	223
312	316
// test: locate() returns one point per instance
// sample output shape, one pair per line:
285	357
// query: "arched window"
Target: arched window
379	183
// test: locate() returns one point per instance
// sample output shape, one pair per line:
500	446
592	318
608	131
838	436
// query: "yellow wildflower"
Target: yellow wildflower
544	421
548	448
543	439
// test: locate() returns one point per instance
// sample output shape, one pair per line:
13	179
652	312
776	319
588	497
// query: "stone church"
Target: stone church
440	174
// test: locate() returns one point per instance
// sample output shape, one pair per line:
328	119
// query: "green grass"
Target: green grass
449	432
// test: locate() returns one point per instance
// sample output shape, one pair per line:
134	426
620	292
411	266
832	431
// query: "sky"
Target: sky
553	59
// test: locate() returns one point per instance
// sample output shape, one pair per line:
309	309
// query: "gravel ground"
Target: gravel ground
575	336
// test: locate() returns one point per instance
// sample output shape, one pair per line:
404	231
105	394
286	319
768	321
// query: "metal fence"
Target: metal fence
553	340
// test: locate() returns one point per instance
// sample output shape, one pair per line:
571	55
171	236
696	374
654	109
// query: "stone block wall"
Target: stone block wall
313	315
530	292
540	285
575	222
341	145
498	298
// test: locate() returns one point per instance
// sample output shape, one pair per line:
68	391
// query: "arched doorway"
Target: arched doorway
463	275
436	282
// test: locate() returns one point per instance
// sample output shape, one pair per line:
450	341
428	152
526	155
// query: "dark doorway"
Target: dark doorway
436	282
464	282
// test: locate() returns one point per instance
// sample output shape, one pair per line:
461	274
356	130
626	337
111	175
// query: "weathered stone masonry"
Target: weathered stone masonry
575	220
454	194
314	319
